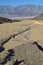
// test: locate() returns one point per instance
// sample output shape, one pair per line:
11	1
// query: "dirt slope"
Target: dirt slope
18	38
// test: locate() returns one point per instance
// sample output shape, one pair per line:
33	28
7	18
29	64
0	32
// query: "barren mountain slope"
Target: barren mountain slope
18	37
39	17
20	11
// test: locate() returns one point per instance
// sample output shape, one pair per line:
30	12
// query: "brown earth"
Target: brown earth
19	38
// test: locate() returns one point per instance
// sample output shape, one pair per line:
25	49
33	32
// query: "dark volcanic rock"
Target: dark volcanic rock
8	57
1	49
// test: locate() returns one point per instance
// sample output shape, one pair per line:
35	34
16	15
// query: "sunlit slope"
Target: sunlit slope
37	33
34	33
12	28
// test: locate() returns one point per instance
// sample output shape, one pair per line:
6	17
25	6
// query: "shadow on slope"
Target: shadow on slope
6	20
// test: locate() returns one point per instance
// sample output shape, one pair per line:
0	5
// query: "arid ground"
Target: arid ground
21	43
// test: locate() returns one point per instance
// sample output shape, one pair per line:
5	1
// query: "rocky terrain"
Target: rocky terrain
21	43
25	54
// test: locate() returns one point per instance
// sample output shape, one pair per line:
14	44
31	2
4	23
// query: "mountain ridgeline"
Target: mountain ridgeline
7	20
20	11
39	17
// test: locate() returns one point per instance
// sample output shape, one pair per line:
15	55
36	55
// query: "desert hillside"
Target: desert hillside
39	17
21	43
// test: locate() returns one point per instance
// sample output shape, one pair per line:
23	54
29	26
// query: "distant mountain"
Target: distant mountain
39	17
20	11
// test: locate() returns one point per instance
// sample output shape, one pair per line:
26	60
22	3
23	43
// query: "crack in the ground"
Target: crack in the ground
11	53
12	36
4	41
39	46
